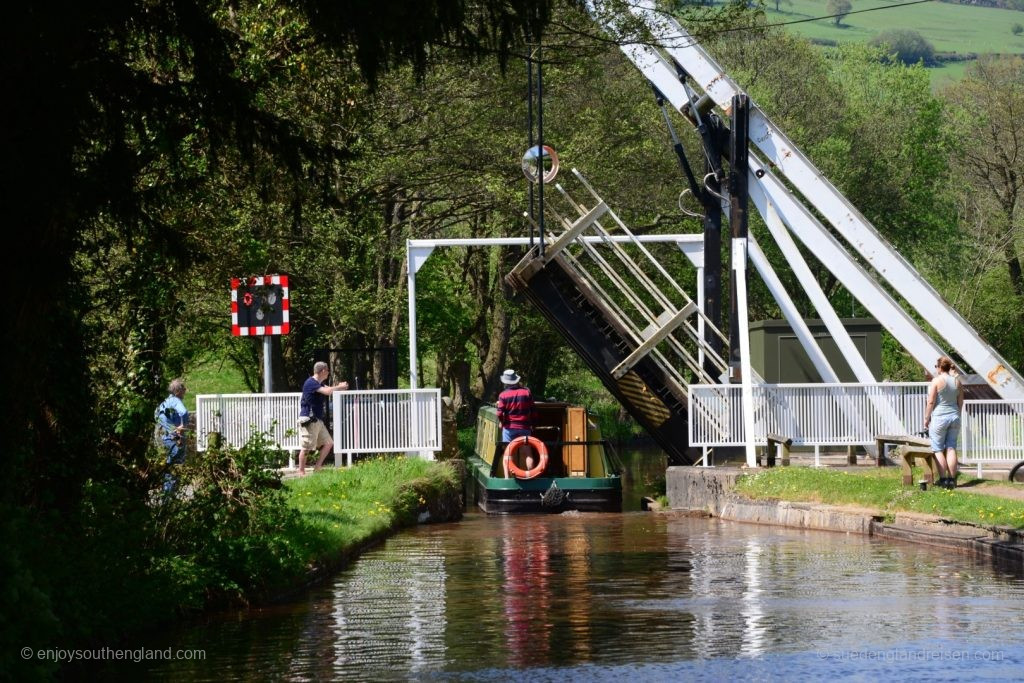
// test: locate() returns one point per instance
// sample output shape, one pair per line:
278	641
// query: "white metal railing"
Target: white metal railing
992	431
381	421
387	421
236	417
810	414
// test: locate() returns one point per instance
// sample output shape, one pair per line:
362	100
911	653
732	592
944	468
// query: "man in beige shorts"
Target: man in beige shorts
312	430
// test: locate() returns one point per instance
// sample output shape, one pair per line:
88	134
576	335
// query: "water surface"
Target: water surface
638	595
614	597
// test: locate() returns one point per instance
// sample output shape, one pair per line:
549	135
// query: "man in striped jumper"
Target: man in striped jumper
516	412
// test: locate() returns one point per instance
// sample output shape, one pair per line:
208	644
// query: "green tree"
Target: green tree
136	131
985	122
455	145
909	46
838	9
895	163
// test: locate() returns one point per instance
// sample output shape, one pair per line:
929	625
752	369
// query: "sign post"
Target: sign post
259	307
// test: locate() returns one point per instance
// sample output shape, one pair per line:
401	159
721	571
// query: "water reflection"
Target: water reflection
602	597
393	609
754	627
526	589
643	473
547	593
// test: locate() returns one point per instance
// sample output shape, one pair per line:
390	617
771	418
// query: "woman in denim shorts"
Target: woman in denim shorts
942	419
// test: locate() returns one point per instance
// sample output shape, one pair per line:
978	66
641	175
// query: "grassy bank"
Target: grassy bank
341	510
882	490
243	535
231	534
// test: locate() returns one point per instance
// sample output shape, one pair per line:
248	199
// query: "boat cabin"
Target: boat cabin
580	472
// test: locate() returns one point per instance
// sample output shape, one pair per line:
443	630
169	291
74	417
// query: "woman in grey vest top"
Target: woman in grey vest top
942	419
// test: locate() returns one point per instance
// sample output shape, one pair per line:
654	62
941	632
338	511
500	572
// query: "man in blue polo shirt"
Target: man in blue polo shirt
311	416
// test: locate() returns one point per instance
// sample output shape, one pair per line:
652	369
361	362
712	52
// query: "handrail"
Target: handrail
992	431
654	308
364	421
832	414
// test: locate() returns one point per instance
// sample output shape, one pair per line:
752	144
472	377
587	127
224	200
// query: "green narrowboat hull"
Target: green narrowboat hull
595	484
497	495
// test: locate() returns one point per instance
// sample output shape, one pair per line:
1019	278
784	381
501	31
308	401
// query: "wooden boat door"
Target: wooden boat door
575	456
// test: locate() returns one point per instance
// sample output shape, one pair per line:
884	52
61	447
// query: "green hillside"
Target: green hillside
950	28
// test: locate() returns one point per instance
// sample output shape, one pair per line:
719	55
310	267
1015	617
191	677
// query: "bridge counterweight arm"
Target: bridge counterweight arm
683	51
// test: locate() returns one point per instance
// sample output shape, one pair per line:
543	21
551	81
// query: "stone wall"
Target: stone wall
711	491
699	488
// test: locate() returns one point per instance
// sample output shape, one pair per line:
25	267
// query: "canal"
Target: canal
638	596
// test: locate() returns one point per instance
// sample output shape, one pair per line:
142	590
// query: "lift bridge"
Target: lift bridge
649	342
660	352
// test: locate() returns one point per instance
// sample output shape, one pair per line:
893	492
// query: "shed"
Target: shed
776	353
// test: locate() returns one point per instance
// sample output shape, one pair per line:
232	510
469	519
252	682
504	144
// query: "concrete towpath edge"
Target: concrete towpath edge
711	492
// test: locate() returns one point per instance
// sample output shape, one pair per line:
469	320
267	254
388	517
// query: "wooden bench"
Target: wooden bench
909	449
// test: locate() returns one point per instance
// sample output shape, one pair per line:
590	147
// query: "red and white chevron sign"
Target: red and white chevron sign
259	305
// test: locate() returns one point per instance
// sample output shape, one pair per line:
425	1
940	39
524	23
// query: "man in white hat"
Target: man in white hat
516	411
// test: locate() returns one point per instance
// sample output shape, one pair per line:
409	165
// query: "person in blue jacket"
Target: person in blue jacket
172	420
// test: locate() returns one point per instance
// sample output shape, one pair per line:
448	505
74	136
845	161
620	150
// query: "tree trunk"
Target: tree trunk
1013	265
493	324
464	402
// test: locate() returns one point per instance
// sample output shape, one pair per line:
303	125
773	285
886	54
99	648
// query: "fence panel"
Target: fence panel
385	421
993	431
236	417
810	414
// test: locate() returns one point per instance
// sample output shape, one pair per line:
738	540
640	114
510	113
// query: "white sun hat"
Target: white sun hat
510	377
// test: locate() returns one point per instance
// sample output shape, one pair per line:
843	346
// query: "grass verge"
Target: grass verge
341	510
882	490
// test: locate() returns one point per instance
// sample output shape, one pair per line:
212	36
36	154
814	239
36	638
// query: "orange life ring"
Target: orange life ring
514	445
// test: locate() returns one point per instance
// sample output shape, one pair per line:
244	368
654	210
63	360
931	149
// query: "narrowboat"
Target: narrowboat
565	465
